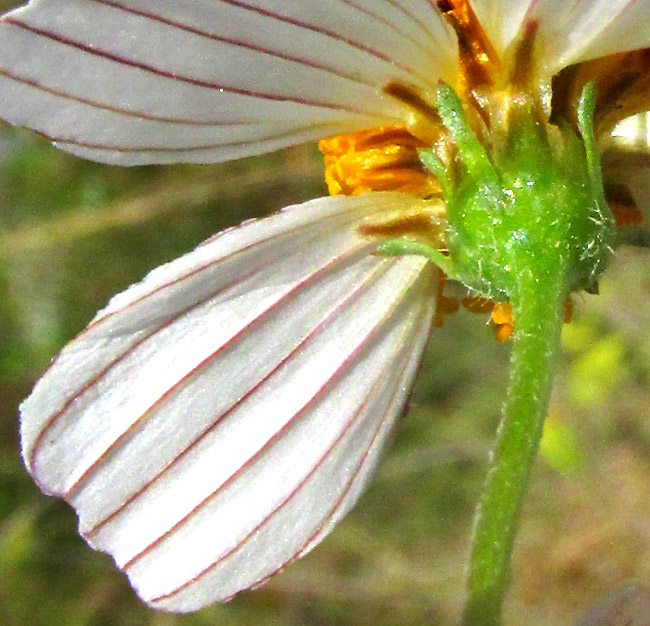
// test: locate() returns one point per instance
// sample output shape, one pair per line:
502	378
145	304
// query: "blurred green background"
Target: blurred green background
74	233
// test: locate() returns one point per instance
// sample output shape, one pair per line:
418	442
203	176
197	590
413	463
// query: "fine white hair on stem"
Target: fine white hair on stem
217	419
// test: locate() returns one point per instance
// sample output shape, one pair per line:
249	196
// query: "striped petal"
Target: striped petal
588	29
570	32
142	81
501	19
217	419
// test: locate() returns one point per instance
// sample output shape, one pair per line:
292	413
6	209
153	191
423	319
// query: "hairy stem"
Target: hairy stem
537	305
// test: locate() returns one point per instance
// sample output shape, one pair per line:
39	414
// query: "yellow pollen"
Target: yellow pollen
379	159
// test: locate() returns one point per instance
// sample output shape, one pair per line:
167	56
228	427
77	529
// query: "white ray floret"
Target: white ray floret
245	77
569	32
588	29
252	76
215	420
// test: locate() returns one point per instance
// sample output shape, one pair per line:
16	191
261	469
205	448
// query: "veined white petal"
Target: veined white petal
140	81
569	32
214	421
587	29
501	19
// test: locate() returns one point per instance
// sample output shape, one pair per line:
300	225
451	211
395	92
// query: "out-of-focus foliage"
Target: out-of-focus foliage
73	233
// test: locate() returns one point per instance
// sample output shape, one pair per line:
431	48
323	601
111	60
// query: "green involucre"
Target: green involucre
528	201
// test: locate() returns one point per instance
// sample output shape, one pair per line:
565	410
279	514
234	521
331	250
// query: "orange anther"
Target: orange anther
378	159
502	313
503	332
503	321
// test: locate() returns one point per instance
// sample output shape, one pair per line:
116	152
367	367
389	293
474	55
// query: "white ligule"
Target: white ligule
245	77
216	420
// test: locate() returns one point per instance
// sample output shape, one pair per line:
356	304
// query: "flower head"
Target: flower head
216	420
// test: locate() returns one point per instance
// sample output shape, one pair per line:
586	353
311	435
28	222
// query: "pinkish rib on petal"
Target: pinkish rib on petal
568	31
587	29
136	81
502	20
215	420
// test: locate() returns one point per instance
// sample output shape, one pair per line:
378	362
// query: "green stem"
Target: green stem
537	306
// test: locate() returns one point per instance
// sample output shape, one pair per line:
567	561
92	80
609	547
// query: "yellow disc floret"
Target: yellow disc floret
378	159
